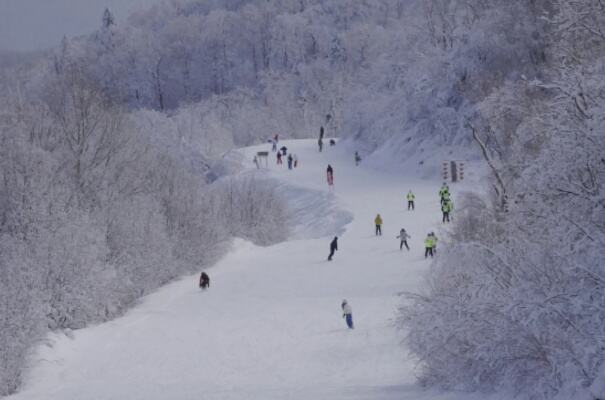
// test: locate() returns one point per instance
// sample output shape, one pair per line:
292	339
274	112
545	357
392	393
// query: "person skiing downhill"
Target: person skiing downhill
347	313
428	246
333	247
446	209
403	237
410	196
204	281
378	222
330	176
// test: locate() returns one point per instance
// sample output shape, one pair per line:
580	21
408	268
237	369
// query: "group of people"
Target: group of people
447	206
430	242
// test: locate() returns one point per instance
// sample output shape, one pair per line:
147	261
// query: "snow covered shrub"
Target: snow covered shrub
251	209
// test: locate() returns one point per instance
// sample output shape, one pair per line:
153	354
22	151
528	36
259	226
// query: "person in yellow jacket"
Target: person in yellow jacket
428	246
410	198
446	209
378	222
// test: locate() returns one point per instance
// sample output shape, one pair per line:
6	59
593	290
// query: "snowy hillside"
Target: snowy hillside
270	326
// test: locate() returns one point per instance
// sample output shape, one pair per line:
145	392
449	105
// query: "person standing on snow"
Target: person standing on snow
284	150
273	145
321	133
330	176
357	159
446	209
320	144
411	199
428	246
279	161
378	222
403	237
347	313
333	247
295	161
290	160
204	281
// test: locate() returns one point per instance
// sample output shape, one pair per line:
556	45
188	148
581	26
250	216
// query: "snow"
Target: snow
270	325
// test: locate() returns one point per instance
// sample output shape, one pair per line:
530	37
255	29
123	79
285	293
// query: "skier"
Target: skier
333	247
276	138
330	176
434	243
357	158
320	143
290	160
403	237
284	150
442	192
279	158
347	313
378	222
321	133
428	246
295	161
255	160
204	281
273	145
447	208
411	198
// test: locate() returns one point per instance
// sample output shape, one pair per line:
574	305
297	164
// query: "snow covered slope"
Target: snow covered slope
270	326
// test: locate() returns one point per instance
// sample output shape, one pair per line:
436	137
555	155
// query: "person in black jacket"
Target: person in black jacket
333	248
204	281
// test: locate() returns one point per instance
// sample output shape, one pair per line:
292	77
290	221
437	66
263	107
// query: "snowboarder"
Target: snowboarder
357	158
347	313
410	198
428	246
284	150
403	237
378	222
255	160
446	209
443	192
434	243
279	158
330	176
204	281
333	247
320	143
290	161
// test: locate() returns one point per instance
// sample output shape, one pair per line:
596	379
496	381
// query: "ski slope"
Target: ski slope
270	327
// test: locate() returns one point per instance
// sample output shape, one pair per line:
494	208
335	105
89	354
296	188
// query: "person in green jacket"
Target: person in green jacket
428	246
410	198
444	192
434	243
446	209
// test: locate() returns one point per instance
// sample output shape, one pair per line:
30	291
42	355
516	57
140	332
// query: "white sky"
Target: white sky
40	24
